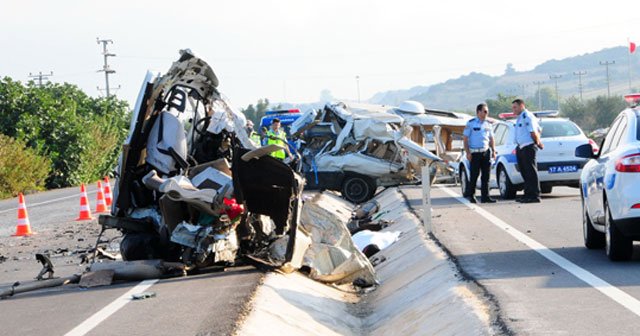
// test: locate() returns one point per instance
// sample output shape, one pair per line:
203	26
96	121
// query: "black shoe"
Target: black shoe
530	200
472	199
487	200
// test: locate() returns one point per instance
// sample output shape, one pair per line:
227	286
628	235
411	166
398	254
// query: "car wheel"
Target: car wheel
463	180
546	188
593	239
357	189
618	247
507	189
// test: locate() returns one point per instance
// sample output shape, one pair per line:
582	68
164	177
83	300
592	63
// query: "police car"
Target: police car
557	164
610	187
287	117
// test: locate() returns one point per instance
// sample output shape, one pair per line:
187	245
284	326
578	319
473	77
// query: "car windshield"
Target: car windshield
558	128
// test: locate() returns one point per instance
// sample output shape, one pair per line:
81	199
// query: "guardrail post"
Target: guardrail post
426	199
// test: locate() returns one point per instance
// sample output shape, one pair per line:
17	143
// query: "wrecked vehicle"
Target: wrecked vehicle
357	148
439	131
190	185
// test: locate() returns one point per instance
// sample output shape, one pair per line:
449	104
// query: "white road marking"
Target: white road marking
31	205
604	287
108	310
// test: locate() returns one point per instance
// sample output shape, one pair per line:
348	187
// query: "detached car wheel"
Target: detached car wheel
357	189
507	189
618	246
593	239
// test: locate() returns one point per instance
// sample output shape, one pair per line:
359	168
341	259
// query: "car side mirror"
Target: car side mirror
585	151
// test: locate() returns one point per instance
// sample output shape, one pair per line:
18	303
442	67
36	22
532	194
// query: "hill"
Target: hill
464	92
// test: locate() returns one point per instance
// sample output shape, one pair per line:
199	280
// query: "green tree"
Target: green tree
255	113
593	113
81	135
547	97
501	104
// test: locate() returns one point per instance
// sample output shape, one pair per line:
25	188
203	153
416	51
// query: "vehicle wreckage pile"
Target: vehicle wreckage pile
193	191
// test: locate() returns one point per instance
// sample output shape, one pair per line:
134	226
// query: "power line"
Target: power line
556	77
40	76
606	64
580	74
105	68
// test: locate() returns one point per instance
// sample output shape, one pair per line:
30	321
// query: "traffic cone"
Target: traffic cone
108	197
23	228
101	206
85	211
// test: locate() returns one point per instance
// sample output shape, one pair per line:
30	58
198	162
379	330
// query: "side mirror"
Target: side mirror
585	151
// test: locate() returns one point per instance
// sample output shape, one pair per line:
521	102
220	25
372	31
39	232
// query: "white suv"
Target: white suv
610	188
557	164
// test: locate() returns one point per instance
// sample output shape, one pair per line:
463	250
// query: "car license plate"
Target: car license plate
563	169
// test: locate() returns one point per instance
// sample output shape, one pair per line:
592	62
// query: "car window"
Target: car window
619	133
558	128
606	145
499	134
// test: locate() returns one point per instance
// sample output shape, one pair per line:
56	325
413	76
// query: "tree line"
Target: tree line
55	135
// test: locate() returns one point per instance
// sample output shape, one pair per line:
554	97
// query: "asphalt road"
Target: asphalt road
531	259
207	304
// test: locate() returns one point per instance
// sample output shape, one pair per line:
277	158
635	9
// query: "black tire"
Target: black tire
464	180
546	188
593	239
507	189
357	189
617	245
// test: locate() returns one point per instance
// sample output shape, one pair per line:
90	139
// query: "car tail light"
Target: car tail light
636	206
595	146
513	151
629	164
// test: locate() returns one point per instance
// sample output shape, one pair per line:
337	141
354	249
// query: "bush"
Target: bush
81	135
21	168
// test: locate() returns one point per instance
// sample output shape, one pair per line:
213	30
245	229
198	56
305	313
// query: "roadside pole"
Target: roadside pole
426	199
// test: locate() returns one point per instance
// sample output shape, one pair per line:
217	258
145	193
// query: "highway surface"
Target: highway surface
531	259
206	304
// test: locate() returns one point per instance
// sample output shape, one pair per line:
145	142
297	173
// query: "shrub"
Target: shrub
21	168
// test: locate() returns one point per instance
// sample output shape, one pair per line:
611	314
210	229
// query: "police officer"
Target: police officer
278	137
253	135
480	149
528	142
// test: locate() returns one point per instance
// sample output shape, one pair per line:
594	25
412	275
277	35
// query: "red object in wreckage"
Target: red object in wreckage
233	209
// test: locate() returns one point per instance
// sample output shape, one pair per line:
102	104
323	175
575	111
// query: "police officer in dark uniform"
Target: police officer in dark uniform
528	142
480	149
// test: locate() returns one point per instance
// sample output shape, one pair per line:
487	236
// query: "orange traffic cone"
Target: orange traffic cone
101	206
108	197
23	228
85	211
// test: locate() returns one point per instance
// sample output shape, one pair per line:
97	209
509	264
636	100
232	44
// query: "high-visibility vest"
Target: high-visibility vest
279	138
255	137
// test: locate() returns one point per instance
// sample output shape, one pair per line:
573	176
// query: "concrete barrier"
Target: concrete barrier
420	293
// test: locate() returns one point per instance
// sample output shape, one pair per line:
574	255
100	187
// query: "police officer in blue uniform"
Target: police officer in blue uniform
528	142
480	149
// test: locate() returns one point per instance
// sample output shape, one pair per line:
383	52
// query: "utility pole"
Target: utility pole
523	86
40	76
538	83
105	68
358	86
556	77
607	63
580	74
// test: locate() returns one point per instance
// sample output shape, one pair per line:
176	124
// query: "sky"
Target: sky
291	50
